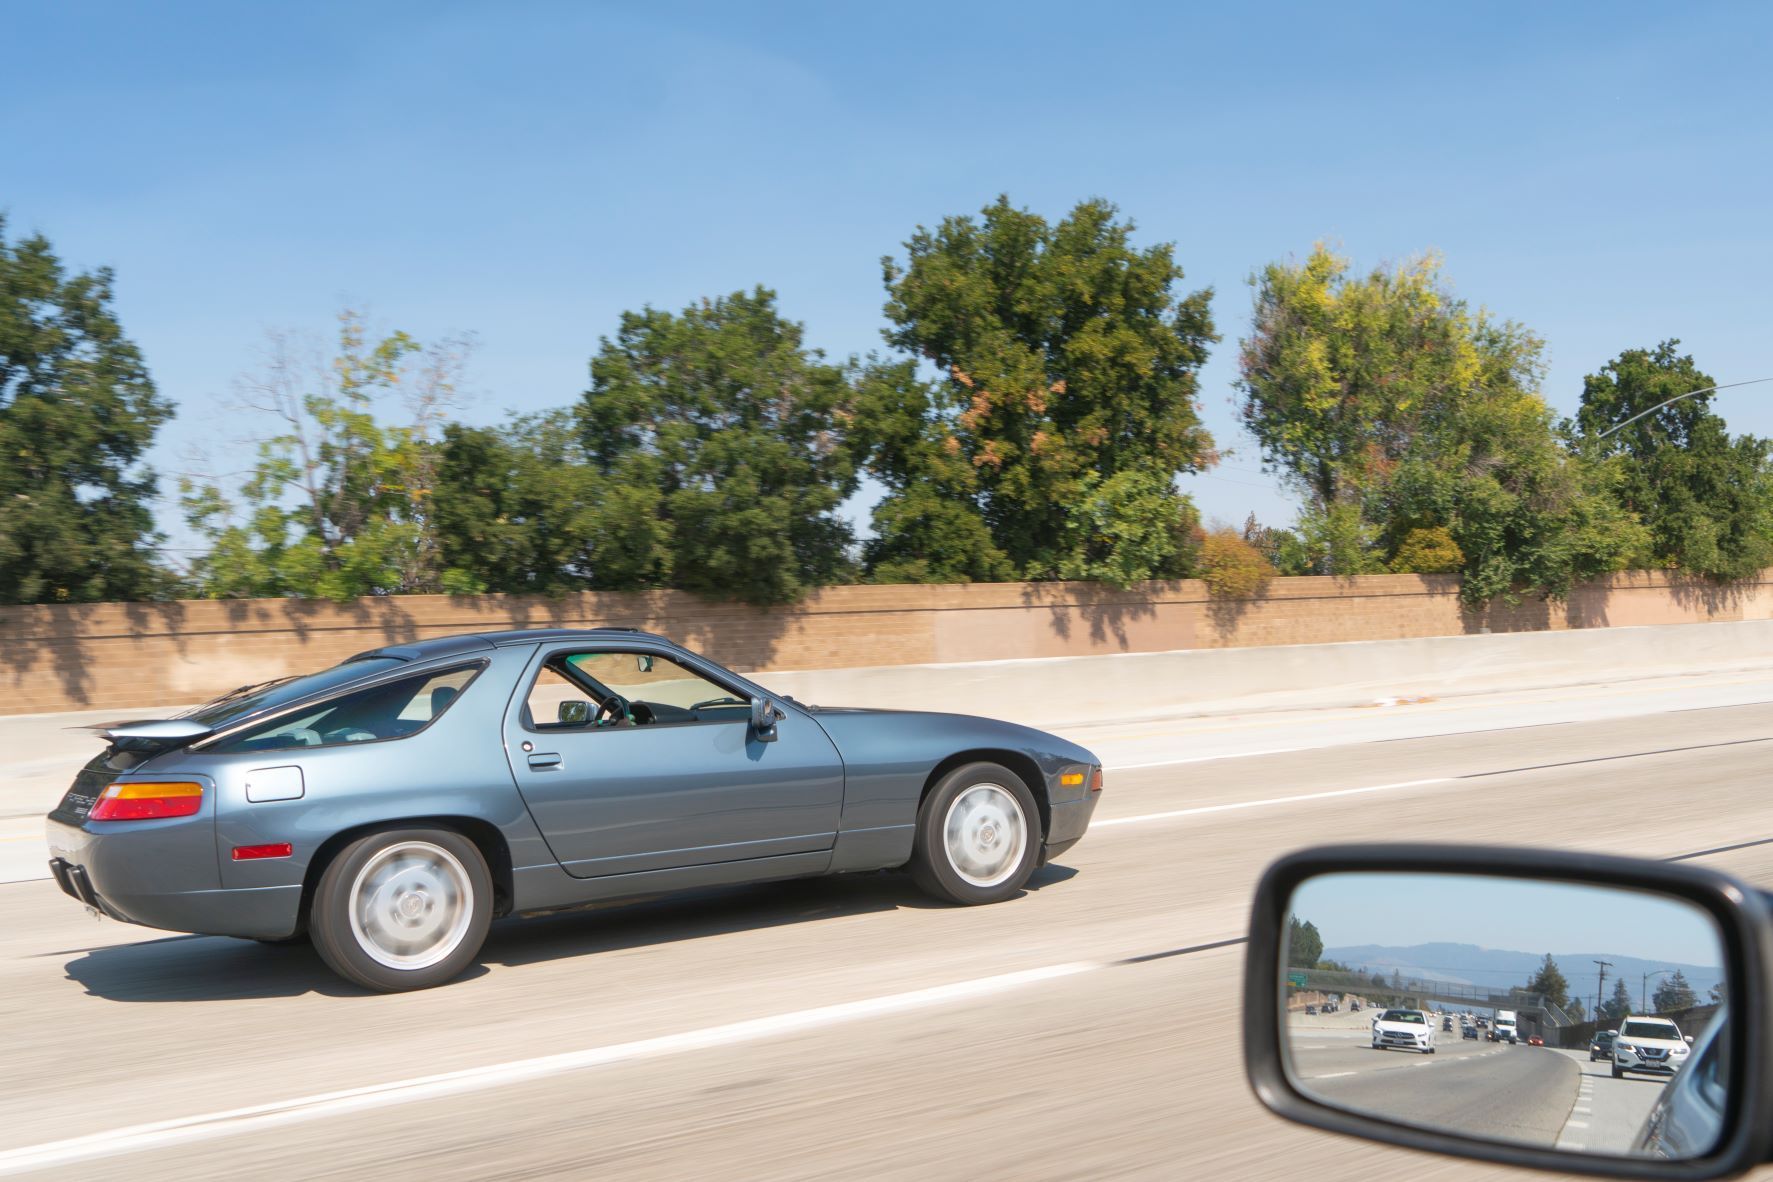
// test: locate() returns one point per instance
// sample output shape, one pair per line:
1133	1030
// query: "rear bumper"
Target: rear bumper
163	874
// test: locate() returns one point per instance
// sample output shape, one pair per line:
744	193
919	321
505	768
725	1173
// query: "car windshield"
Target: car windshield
1403	1016
1666	1030
251	699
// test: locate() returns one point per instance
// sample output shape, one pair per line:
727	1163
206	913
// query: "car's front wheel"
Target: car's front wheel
402	909
978	835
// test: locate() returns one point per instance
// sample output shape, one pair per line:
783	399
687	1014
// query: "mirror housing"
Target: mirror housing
643	663
573	713
1744	923
764	716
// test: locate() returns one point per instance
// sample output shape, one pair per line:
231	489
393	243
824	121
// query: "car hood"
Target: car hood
1656	1043
967	729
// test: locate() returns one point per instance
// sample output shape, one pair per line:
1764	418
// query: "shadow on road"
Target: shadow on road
211	968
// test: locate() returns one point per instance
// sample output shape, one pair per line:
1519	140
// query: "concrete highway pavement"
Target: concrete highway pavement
1492	1090
1608	1112
831	1028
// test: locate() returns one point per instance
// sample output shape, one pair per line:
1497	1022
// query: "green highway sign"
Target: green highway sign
1296	980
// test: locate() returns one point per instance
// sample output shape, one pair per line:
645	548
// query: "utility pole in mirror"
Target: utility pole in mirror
1600	991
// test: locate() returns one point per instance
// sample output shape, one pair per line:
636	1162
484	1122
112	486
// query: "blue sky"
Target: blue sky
525	171
1404	910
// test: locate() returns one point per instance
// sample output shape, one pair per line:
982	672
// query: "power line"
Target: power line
1677	398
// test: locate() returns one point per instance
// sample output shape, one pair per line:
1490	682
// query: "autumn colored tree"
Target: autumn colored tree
1062	407
1394	408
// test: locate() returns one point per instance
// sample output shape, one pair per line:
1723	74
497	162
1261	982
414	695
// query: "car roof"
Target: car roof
467	642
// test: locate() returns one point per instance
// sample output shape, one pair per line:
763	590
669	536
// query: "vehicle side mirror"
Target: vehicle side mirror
764	716
574	713
1410	927
643	663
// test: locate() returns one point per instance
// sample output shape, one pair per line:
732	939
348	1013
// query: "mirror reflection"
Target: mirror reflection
1578	1017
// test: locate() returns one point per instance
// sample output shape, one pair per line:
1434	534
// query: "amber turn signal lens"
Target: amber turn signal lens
147	801
1071	779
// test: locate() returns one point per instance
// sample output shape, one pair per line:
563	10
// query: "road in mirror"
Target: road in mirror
1538	1013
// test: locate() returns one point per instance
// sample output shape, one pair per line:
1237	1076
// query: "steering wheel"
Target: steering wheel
612	710
726	701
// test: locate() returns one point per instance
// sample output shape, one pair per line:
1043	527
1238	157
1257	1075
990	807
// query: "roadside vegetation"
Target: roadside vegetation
1028	418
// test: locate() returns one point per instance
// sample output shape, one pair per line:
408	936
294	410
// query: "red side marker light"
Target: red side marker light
246	853
1096	780
146	800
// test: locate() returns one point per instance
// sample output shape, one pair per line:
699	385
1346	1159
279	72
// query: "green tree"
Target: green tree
722	426
1549	981
1672	994
1394	408
337	503
1617	1007
77	412
521	510
1706	497
1064	408
1305	947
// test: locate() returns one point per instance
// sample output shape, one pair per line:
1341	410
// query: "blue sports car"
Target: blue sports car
390	807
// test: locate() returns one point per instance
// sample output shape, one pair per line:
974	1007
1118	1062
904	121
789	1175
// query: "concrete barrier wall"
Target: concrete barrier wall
57	658
1089	689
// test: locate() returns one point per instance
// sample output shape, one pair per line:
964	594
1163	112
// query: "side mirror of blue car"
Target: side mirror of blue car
764	716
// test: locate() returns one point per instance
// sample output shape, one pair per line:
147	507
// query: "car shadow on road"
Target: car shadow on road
696	914
214	968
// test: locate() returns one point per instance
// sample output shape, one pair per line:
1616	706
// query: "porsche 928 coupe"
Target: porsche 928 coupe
391	807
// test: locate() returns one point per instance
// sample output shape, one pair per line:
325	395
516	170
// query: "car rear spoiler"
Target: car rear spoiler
150	734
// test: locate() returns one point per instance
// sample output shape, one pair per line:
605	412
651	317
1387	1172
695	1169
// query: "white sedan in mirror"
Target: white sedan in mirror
1409	1030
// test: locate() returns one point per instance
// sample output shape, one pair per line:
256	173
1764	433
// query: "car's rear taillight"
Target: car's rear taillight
147	800
1096	780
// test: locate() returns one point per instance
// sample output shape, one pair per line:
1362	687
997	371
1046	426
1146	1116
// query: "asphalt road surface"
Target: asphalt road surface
840	1028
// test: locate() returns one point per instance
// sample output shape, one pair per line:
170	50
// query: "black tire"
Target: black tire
1617	1074
441	870
935	868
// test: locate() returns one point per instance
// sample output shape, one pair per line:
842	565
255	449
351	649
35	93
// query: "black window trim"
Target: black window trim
209	742
702	668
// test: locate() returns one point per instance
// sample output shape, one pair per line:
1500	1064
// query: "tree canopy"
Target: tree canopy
719	437
1673	994
337	502
1410	421
77	412
1305	947
1063	406
1705	496
1550	982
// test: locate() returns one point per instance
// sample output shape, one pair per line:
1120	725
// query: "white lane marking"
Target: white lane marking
1133	767
1575	1124
1270	802
161	1134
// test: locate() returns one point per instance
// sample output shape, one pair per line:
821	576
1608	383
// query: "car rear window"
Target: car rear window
254	699
390	710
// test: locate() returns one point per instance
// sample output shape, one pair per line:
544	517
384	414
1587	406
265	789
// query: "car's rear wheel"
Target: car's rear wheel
402	909
978	836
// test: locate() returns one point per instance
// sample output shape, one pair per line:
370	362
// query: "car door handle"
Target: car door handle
545	759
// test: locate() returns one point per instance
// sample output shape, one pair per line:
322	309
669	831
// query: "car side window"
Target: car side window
392	710
608	688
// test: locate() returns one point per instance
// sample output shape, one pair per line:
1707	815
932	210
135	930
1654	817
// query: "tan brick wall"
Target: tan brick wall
125	655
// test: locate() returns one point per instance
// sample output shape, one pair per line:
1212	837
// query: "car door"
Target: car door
678	783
